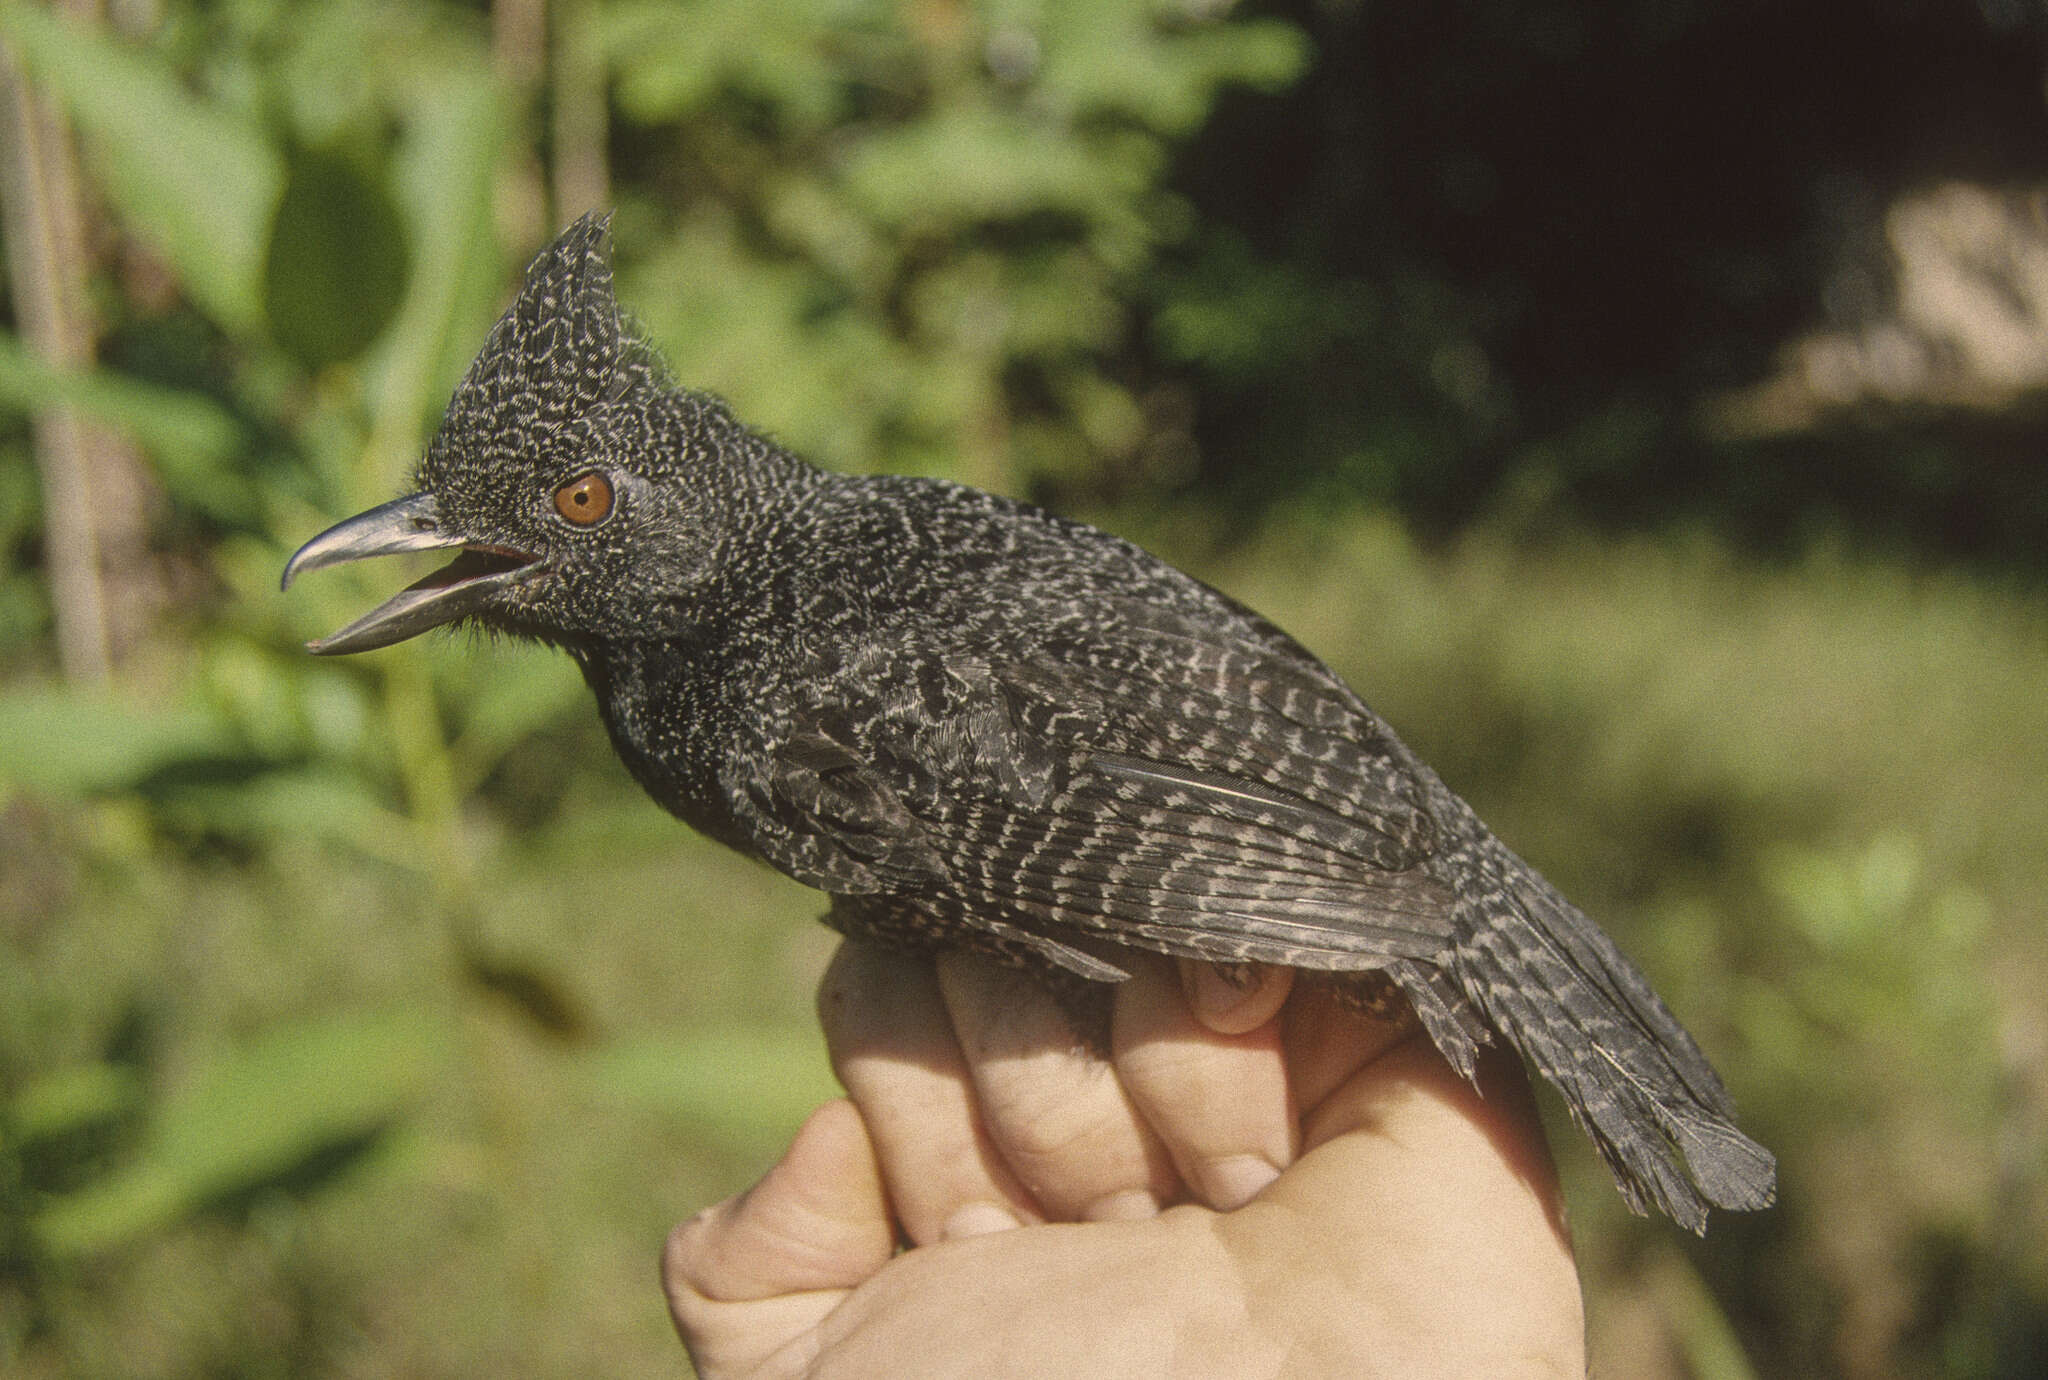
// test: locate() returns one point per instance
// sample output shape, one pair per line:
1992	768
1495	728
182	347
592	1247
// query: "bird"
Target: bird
979	726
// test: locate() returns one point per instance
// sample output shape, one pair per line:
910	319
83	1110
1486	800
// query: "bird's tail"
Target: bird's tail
1559	989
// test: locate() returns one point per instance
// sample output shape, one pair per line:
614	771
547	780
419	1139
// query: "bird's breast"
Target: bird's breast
672	720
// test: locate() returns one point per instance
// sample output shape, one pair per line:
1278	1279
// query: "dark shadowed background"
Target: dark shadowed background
1642	403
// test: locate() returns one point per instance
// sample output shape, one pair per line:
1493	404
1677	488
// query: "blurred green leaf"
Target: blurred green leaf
336	268
672	60
1713	1350
444	171
749	1087
1118	59
60	1103
196	181
967	166
516	697
273	806
193	440
253	1115
68	744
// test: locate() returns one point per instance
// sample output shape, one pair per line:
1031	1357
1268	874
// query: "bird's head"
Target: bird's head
576	484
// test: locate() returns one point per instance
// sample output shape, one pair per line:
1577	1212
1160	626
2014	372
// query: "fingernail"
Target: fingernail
1131	1205
1232	999
1232	1182
1210	991
980	1219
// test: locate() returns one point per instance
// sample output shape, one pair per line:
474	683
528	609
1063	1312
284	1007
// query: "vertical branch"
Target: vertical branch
39	203
96	487
519	36
519	56
582	175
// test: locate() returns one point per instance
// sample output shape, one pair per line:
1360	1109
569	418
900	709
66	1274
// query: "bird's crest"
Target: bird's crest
556	350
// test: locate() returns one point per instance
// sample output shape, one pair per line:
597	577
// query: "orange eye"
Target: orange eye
585	500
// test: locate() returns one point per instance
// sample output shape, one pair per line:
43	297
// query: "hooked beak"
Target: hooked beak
463	586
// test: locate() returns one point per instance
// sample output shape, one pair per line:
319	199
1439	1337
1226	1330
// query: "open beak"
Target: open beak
463	586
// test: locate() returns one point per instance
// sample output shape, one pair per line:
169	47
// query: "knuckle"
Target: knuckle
1168	1070
681	1253
1044	1114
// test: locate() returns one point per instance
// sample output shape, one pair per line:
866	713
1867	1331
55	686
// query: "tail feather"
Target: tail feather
1447	1017
1631	1076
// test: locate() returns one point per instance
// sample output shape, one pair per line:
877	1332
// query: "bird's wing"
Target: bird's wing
816	809
1233	806
1221	799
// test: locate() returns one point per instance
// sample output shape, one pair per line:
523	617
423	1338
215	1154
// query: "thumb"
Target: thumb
755	1275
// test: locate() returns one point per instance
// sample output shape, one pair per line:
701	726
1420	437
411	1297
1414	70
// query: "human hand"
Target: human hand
1346	1204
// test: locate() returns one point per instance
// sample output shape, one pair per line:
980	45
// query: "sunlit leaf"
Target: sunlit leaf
1114	59
71	744
672	60
444	172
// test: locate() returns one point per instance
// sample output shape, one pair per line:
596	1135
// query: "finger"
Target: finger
893	1047
1328	1040
1057	1113
759	1272
1219	1102
1234	998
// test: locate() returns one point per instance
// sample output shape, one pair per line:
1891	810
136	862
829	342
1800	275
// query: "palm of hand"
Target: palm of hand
1335	1199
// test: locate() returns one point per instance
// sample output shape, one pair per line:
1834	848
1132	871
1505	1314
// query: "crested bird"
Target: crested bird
980	726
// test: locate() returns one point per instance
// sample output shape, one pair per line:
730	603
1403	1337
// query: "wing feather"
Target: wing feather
1161	787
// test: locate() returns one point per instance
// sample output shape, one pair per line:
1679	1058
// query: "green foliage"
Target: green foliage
247	1119
780	1075
58	744
192	441
197	179
925	227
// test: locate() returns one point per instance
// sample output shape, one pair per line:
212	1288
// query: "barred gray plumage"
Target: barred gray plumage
978	725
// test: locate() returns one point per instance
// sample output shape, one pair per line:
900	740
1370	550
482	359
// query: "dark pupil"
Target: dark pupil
581	498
